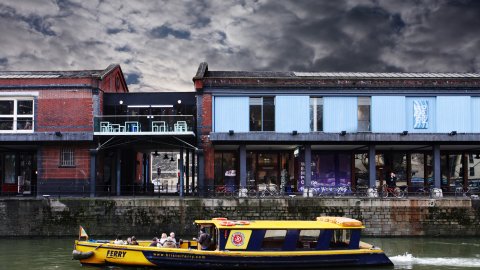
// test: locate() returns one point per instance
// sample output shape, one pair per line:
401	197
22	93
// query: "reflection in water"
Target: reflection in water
406	253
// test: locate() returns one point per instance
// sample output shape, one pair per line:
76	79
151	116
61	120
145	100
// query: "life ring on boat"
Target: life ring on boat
78	255
219	218
227	223
242	222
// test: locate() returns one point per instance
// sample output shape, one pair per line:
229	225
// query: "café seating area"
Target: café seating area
136	126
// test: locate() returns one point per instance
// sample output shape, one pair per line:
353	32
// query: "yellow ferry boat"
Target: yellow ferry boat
240	244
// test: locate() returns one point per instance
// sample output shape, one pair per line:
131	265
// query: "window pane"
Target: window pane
361	169
268	114
455	169
67	157
364	113
474	171
255	118
418	169
10	169
6	106
316	114
6	123
25	107
24	124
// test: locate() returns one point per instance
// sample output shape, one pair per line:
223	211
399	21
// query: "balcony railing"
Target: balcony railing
155	124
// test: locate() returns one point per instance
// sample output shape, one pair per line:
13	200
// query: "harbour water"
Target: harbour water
417	253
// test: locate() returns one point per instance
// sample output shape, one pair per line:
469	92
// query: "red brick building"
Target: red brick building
47	128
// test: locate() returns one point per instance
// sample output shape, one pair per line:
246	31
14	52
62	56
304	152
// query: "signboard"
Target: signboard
420	114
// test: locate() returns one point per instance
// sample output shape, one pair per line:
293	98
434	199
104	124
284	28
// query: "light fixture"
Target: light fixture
453	133
58	134
179	101
477	156
165	156
156	153
294	132
171	159
120	102
343	133
404	133
231	132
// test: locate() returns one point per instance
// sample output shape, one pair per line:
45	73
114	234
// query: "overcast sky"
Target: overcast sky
159	44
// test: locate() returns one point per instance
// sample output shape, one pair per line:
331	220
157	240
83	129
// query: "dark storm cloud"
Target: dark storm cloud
132	78
125	48
160	44
35	22
165	31
3	61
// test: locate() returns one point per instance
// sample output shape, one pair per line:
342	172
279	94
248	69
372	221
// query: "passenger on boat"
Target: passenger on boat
162	240
204	239
154	242
169	243
134	241
119	241
129	241
172	235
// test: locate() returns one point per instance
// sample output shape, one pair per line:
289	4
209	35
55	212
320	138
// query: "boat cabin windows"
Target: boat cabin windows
274	239
328	239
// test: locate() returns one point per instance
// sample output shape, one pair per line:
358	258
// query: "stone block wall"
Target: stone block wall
149	217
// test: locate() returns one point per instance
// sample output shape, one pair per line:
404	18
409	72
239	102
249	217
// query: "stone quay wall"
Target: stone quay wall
149	217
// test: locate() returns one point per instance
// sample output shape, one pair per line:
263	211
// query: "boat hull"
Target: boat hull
109	254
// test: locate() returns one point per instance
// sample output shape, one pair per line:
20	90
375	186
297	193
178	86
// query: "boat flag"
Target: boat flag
82	233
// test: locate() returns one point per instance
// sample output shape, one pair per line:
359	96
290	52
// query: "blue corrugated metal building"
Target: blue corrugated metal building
295	129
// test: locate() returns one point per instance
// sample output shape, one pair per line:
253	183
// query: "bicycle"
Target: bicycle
334	191
270	190
395	191
361	191
425	191
465	192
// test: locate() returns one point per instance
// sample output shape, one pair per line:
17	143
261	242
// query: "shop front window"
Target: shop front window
268	168
474	170
226	169
452	170
361	169
330	169
10	169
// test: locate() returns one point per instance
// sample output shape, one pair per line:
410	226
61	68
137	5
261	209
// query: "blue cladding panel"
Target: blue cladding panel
453	113
340	113
475	114
231	113
292	113
431	112
388	113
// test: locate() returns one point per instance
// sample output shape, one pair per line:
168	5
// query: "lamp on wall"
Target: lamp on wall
165	156
343	133
156	153
231	132
294	132
404	133
453	133
477	156
171	158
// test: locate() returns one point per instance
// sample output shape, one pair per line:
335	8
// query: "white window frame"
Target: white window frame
15	116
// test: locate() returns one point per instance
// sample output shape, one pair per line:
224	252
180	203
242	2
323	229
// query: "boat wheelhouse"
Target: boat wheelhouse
241	244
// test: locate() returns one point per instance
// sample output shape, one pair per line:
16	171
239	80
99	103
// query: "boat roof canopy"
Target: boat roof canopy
319	224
